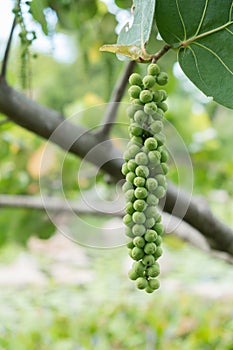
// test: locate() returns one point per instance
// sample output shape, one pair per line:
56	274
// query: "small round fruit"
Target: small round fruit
138	230
127	219
124	169
129	196
149	290
148	81
153	270
134	91
158	253
154	284
135	79
135	129
129	209
131	165
154	157
151	184
137	253
156	127
160	192
162	78
153	69
148	260
140	117
152	199
142	171
128	232
127	186
133	274
139	205
164	95
140	193
151	212
159	228
130	245
164	167
146	96
141	283
139	268
150	248
158	241
151	144
141	158
164	156
130	177
150	108
131	110
163	106
150	236
139	181
139	242
149	223
138	217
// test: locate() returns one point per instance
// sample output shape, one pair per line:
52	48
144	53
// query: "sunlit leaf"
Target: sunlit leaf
203	33
132	51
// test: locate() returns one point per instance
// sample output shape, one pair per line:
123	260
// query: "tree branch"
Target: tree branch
7	51
44	122
113	105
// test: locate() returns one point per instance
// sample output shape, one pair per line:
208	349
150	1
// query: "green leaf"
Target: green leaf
203	34
139	33
37	11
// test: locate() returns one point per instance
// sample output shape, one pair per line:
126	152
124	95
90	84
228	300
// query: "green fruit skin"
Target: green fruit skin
151	143
134	91
150	248
162	78
135	79
149	290
139	242
150	236
140	117
149	223
148	260
148	81
124	169
139	268
139	181
130	245
150	108
154	284
133	274
151	184
153	69
140	193
141	158
131	165
146	96
128	232
138	230
159	228
139	205
137	253
138	218
142	171
129	196
130	177
141	283
129	209
153	270
152	200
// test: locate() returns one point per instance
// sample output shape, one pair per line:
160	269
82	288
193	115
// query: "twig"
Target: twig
7	51
160	53
113	104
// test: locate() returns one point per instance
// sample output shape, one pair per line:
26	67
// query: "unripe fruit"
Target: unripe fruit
150	248
151	212
156	127
151	143
139	242
159	228
164	95
160	192
140	192
124	169
146	96
153	69
129	208
138	230
148	260
162	78
139	181
148	81
150	236
130	177
141	158
138	218
131	165
154	284
133	150
140	117
158	241
127	186
158	253
161	179
139	268
152	200
149	290
164	156
134	91
151	184
150	108
163	106
127	219
130	245
141	283
131	110
142	171
157	96
154	157
139	205
137	140
164	168
128	232
129	196
135	79
149	223
153	270
133	274
135	129
137	253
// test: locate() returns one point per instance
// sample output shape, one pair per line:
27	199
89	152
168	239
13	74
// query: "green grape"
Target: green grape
153	69
141	158
150	222
127	186
150	108
140	117
133	274
139	181
141	283
152	199
148	81
151	236
162	78
134	91
148	260
135	79
129	196
154	284
129	209
138	217
140	193
139	268
151	144
137	253
146	96
142	171
151	184
130	177
139	205
153	270
139	242
138	230
150	248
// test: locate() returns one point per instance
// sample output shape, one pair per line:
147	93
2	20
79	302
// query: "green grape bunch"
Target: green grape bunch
145	170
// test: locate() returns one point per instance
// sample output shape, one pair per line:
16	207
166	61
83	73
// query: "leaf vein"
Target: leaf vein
202	18
181	19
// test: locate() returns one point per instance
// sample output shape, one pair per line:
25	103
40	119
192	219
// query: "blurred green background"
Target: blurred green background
58	295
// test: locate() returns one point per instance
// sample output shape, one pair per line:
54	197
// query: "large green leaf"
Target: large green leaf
202	31
139	33
37	11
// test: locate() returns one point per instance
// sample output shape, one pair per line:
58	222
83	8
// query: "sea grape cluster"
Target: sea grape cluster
145	172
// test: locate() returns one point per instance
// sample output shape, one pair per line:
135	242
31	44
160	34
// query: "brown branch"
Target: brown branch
160	53
7	51
113	105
